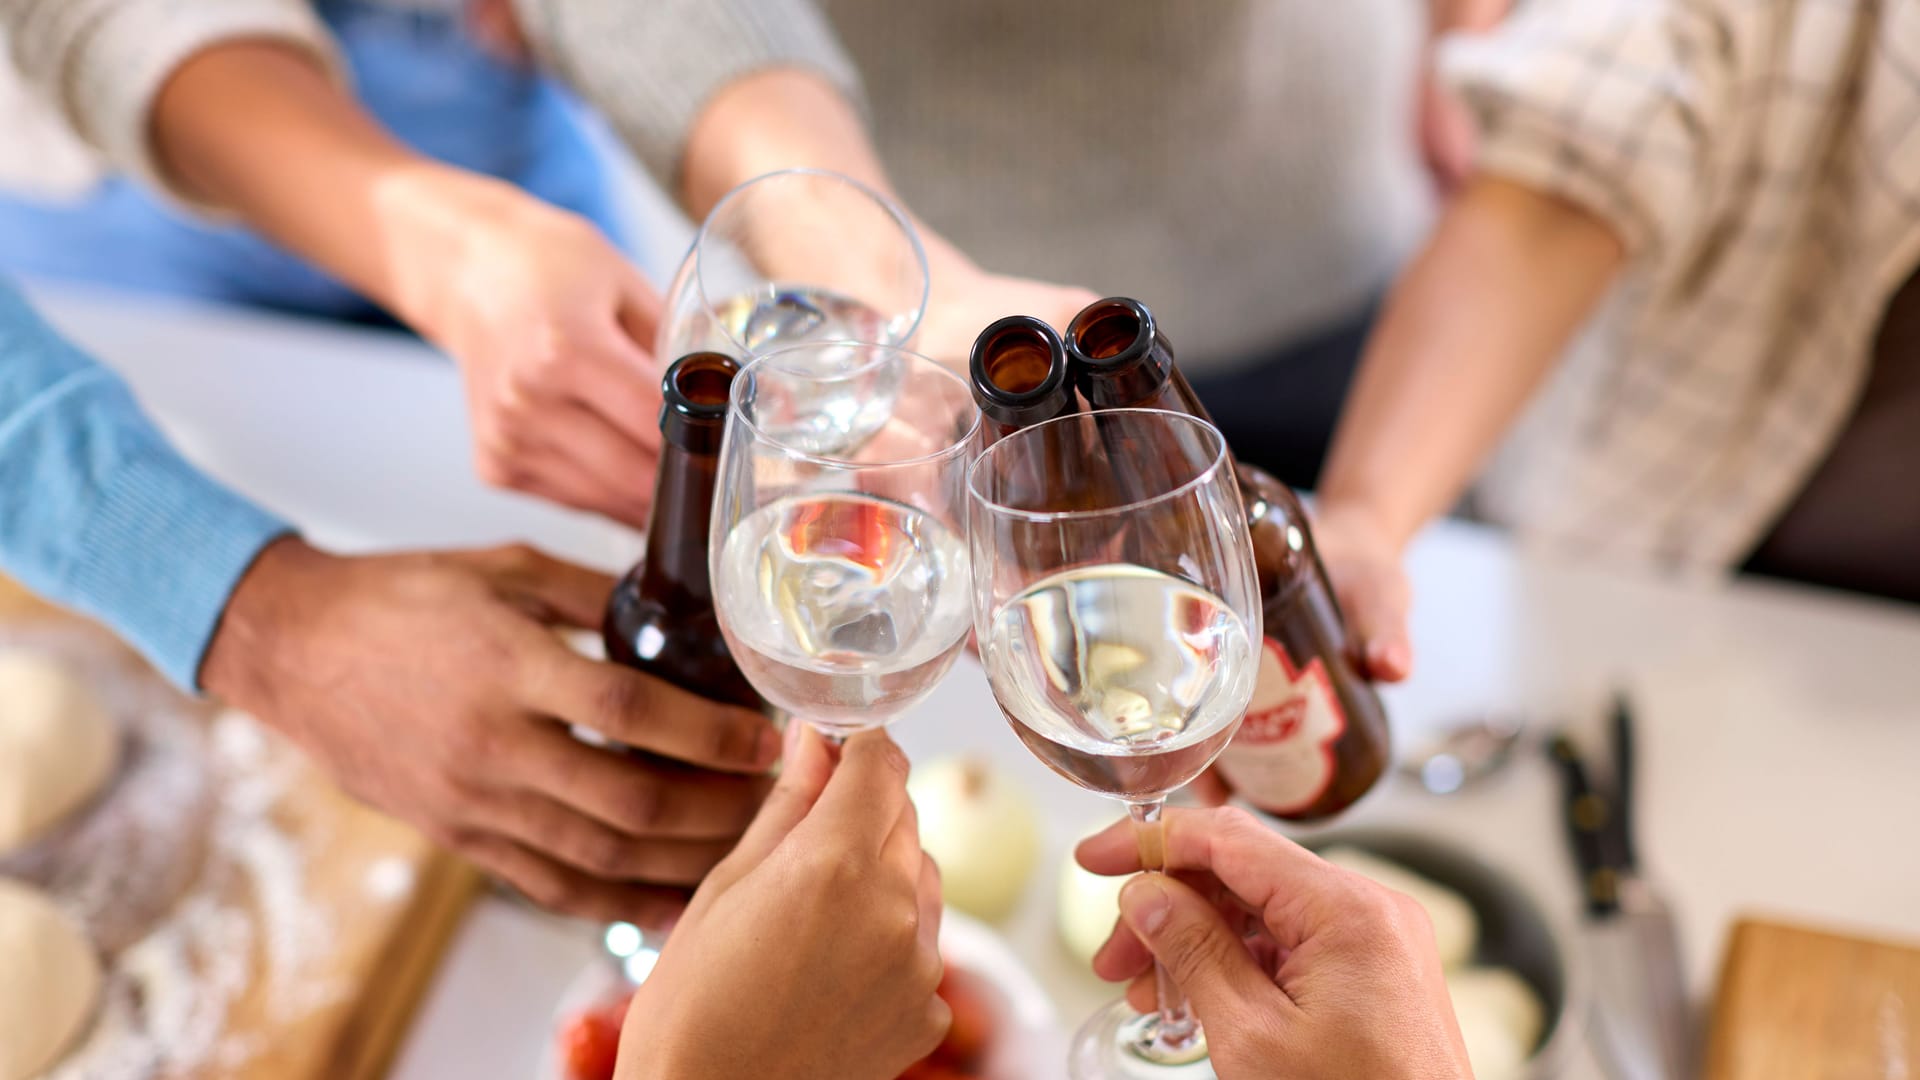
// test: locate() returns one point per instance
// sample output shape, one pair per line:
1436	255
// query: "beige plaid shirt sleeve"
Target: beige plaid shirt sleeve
1761	160
1612	104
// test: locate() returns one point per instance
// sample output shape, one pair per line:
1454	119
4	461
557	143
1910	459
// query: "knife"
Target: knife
1641	1022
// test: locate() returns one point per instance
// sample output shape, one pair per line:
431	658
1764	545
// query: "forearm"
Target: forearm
260	130
1471	330
99	514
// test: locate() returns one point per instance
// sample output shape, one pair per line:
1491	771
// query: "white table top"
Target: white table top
1778	726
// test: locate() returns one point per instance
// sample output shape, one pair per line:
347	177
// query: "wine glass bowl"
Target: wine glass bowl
840	565
792	257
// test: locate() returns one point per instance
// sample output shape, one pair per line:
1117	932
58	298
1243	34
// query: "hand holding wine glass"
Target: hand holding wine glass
1339	976
1118	620
812	950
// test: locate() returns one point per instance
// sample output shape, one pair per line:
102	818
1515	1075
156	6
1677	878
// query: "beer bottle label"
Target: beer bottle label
1281	760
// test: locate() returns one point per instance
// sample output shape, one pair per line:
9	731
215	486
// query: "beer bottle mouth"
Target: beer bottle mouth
1110	333
693	397
1017	362
697	384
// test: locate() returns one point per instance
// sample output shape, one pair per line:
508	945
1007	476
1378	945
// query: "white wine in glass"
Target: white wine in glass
839	558
1118	611
851	603
1126	680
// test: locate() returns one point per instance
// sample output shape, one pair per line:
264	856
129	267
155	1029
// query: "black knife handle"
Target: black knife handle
1586	814
1626	855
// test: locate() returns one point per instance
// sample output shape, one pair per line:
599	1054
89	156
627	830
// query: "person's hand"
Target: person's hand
1365	567
962	299
552	328
811	951
1295	967
434	687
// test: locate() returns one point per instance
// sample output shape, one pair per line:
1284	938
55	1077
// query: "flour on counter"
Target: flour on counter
246	923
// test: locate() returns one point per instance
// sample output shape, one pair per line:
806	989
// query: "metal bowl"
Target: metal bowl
1515	930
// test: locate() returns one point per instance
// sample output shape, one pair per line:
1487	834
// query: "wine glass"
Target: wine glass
1119	622
840	568
796	256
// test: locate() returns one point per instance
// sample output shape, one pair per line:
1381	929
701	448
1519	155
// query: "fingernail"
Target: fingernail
1146	904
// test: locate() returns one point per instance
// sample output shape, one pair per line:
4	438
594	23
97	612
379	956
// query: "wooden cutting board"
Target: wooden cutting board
1800	1004
381	955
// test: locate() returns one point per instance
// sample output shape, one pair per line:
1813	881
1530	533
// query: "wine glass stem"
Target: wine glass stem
1177	1028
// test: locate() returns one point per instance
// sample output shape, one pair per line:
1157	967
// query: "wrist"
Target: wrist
261	619
436	221
1358	515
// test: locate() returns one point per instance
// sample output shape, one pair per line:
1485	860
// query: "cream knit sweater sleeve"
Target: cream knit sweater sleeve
650	66
101	63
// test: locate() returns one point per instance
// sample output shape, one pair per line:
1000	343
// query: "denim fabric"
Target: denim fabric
423	77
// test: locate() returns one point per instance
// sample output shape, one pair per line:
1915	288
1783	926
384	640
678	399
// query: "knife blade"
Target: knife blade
1642	1018
1641	1022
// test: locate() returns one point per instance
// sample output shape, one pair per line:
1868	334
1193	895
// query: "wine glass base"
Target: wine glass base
1110	1047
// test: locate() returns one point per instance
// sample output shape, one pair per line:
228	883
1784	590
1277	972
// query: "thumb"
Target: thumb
806	768
1197	947
1374	599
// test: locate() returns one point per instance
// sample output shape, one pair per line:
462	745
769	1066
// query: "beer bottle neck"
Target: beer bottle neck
997	424
1149	386
678	528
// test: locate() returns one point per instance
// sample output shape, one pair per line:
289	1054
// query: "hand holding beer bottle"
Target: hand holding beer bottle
1315	738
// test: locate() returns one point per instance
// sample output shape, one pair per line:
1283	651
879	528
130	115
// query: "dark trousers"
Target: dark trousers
1279	412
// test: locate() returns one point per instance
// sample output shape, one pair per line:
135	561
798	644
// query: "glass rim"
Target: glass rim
887	206
737	412
1221	458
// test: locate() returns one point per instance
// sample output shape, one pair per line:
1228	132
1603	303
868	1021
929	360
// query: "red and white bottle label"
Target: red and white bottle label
1281	760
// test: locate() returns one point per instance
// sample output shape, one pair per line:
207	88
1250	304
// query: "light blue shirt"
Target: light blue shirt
98	513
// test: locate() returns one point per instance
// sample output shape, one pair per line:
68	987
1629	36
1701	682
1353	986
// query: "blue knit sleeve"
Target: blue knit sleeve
98	513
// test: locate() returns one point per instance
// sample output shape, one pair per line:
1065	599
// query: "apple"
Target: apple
981	829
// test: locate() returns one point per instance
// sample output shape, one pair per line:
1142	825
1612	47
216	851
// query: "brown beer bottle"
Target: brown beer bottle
660	618
1315	738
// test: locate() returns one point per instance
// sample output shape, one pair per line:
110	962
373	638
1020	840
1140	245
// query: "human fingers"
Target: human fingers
1254	863
932	908
561	888
639	313
563	834
617	381
592	463
640	797
549	589
643	712
1206	958
1375	599
864	799
804	775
